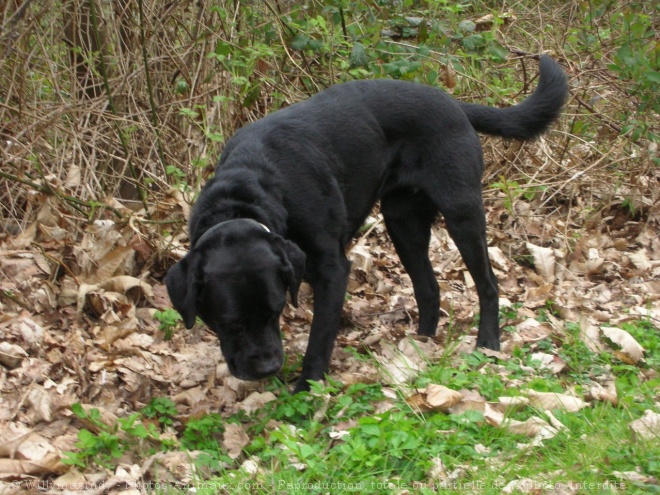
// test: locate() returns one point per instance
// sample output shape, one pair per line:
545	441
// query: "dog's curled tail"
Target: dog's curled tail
530	118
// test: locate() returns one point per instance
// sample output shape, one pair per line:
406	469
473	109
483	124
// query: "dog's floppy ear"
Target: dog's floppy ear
182	285
294	268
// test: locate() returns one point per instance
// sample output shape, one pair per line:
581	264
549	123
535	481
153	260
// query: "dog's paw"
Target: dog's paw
492	344
304	385
301	386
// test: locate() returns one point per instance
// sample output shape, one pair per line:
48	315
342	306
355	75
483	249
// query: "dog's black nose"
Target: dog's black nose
264	363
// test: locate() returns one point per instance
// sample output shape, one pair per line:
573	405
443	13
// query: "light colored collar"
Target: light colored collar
217	226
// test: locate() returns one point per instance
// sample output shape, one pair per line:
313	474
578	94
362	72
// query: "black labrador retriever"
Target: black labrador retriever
292	189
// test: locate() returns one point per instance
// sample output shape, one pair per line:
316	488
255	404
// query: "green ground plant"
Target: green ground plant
107	443
169	319
379	450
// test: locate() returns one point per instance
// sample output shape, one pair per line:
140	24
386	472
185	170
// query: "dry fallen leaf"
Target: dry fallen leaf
31	332
549	362
420	350
396	368
531	330
107	417
35	448
532	427
590	334
190	396
11	355
544	261
39	400
256	400
641	260
418	402
630	348
472	401
178	464
634	477
251	466
359	373
361	258
493	416
485	22
605	393
338	432
71	478
554	421
647	427
435	398
234	439
134	288
510	404
549	401
437	472
11	436
442	398
536	297
448	76
523	485
18	468
498	258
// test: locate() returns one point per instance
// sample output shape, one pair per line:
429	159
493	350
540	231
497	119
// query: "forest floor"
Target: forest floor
90	337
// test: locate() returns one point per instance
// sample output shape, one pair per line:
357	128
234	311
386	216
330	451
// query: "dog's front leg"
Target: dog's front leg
328	280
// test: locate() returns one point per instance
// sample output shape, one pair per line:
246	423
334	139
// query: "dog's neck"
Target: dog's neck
239	193
220	225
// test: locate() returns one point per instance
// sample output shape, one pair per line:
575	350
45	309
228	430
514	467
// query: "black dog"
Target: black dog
292	189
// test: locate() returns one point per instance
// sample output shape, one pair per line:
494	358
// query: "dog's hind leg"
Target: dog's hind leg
408	217
466	223
450	175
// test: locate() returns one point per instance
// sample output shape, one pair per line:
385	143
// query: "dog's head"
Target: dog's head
235	279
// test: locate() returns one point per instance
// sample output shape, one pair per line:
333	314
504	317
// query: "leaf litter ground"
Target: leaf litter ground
78	326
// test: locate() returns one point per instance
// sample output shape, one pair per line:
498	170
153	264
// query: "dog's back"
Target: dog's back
407	107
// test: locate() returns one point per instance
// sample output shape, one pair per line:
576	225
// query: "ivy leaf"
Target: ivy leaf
78	410
358	56
467	26
300	42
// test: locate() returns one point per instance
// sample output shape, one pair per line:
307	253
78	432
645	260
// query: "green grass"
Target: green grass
398	446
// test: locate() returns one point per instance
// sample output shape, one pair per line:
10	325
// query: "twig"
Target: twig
73	202
150	92
343	22
596	113
292	33
57	261
120	132
16	16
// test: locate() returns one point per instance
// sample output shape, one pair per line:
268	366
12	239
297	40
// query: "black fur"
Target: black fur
310	174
